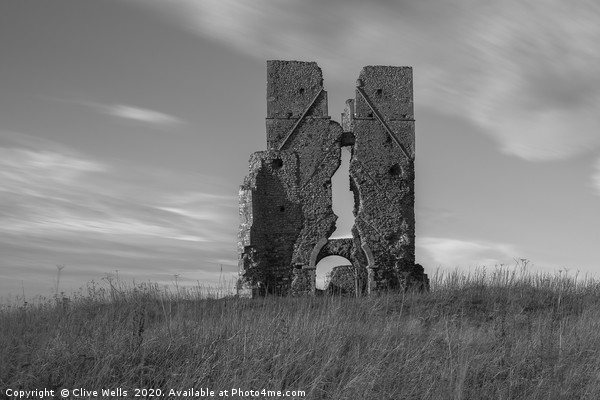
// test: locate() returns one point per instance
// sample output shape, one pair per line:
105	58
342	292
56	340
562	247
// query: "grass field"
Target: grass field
495	334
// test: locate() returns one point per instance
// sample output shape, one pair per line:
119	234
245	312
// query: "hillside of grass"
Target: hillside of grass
500	334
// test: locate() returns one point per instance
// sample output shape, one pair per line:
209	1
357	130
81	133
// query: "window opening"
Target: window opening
277	163
396	170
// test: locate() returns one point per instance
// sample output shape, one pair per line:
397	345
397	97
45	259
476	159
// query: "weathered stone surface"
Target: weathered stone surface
271	219
286	214
348	116
382	169
291	85
348	280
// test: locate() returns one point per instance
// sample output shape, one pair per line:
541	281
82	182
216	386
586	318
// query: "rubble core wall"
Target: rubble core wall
271	219
382	169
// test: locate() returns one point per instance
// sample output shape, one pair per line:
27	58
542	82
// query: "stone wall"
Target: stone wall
286	214
346	280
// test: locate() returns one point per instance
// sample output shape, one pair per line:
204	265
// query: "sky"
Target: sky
126	127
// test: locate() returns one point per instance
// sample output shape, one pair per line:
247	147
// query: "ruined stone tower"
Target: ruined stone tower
286	215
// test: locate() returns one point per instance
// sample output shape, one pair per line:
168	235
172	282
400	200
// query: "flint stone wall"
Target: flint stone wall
346	280
286	214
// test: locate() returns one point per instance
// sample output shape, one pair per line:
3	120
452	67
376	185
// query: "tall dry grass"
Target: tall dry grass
496	334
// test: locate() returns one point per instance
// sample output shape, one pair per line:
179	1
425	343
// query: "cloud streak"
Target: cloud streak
524	72
127	112
61	206
142	115
449	252
52	194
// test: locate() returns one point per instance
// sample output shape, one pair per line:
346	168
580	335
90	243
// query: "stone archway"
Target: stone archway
343	247
328	267
345	278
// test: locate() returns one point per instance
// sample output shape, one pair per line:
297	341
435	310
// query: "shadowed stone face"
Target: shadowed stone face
346	280
286	215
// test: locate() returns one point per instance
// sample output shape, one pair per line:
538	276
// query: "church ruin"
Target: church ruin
286	215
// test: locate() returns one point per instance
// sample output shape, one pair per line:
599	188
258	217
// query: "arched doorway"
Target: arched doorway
324	268
355	278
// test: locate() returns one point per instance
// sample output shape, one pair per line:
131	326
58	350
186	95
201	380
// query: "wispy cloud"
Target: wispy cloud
142	115
61	206
32	142
524	72
128	112
42	174
538	93
59	195
449	252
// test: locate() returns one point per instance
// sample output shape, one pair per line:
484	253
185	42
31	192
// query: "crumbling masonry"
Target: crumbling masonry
286	215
